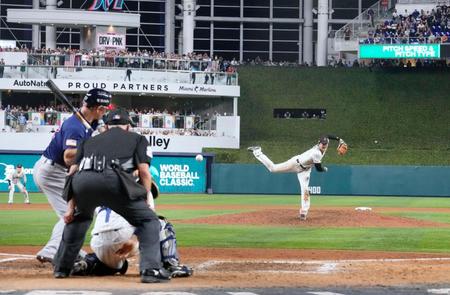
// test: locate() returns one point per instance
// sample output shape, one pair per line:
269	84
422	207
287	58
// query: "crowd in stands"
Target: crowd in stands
389	63
125	58
19	119
417	27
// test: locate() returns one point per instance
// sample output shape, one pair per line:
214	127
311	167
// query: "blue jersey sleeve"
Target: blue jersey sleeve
72	138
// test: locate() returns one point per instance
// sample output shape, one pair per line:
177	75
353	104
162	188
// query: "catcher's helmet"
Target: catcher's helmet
97	97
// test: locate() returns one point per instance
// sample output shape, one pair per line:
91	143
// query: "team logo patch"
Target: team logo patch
71	142
149	152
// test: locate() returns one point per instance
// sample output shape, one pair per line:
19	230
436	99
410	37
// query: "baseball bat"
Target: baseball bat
63	98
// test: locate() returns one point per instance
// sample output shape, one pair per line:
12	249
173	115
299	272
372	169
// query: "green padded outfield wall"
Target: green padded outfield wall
339	180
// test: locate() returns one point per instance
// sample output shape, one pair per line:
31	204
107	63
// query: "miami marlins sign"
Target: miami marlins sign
106	5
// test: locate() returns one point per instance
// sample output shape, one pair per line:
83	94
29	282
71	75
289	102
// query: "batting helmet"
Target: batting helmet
96	97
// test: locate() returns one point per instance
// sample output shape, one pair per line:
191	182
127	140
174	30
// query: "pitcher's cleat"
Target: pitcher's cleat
254	148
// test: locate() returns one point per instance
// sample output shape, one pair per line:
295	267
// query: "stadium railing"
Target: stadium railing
144	75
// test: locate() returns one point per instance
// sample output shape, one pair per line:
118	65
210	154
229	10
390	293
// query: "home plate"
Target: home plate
363	209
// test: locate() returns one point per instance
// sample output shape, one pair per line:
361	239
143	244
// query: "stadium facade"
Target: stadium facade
240	29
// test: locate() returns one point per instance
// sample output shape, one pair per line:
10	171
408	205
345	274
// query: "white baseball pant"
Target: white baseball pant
290	165
22	188
105	245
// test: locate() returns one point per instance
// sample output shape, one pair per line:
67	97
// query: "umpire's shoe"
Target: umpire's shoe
61	274
155	276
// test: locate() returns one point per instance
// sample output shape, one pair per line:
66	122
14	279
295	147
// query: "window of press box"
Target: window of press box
300	113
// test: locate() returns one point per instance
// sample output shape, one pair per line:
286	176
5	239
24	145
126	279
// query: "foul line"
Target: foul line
17	255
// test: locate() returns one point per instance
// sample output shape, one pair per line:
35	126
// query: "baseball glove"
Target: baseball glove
342	148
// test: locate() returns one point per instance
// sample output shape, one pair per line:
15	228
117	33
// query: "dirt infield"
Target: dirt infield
258	267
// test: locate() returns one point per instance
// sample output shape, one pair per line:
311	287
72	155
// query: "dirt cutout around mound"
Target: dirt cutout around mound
318	217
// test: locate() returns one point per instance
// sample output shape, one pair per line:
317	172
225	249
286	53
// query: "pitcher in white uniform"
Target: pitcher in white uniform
302	165
19	179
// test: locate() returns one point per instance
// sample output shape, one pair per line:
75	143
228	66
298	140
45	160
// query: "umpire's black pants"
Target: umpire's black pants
92	189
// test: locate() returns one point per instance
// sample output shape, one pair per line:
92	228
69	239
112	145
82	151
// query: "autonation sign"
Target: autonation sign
400	51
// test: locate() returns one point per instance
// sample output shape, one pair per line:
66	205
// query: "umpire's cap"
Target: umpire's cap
97	97
324	140
118	117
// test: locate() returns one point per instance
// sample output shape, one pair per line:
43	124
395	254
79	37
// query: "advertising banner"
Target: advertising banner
385	51
176	174
63	117
110	41
8	163
169	121
146	121
37	119
82	86
189	122
180	174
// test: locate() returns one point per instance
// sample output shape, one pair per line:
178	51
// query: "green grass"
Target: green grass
428	216
374	239
284	200
33	227
406	112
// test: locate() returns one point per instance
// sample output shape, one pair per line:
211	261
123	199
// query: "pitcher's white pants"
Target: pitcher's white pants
290	165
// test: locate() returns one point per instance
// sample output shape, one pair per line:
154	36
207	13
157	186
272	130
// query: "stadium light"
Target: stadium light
60	2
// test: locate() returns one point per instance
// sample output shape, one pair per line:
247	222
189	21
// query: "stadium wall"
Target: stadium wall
339	180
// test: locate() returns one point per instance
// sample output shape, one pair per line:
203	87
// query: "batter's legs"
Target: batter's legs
50	180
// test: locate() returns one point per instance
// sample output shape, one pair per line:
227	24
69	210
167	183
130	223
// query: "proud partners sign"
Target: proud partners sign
81	86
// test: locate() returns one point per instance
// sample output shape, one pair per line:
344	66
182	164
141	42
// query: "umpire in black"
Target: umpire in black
102	176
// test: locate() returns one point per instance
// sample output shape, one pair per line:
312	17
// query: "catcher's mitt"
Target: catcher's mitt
342	148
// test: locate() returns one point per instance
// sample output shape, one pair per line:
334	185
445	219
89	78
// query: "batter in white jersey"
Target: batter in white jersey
19	179
302	165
